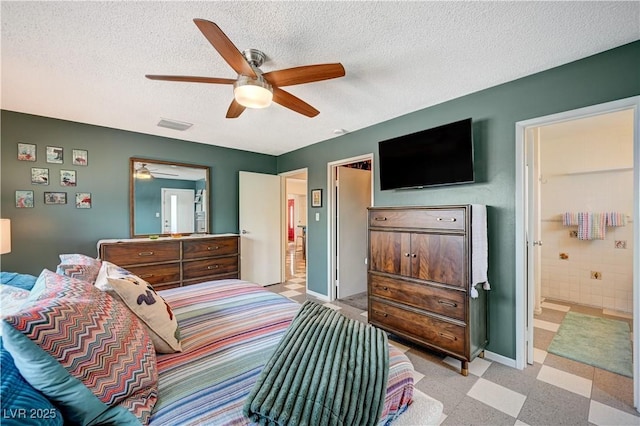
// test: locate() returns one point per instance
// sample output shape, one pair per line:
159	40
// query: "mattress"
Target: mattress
229	330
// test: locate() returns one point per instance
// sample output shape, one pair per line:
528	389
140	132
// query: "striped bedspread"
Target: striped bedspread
230	329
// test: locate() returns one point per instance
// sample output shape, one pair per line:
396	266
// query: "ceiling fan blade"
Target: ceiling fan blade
225	47
287	100
191	79
235	109
304	74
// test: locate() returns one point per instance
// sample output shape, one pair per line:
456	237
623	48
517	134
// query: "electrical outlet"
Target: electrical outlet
595	275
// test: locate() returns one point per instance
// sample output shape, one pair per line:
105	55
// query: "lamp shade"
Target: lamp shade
5	236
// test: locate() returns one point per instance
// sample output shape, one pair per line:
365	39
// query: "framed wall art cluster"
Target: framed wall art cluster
49	177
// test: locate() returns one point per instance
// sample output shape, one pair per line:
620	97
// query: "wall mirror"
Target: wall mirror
167	198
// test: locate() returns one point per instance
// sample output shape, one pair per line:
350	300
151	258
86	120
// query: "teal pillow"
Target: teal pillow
21	403
84	351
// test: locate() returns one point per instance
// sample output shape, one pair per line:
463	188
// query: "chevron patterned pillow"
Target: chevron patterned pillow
84	351
79	266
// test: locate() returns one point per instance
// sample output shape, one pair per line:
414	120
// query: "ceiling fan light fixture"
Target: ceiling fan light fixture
143	173
252	92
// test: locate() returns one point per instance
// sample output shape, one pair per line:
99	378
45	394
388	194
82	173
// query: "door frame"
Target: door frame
331	219
522	209
283	219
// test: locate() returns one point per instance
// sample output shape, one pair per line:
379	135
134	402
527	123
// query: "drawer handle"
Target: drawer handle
385	288
414	255
447	336
145	276
213	248
407	254
145	253
446	219
382	314
446	302
213	267
380	218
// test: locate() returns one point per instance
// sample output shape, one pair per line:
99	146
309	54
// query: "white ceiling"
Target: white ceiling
86	61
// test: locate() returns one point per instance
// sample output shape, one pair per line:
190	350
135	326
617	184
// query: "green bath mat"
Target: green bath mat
601	342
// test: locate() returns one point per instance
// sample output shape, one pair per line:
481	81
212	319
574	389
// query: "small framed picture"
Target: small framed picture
316	198
80	157
83	200
55	155
26	152
24	199
67	177
55	198
39	176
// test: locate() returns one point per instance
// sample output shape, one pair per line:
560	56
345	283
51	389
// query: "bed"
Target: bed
228	331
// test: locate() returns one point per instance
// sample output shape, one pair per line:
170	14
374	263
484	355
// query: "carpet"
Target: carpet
357	301
600	342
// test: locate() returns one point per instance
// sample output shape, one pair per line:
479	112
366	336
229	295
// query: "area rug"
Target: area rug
357	301
601	342
423	411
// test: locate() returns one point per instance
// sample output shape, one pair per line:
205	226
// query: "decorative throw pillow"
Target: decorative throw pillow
84	351
143	301
23	281
21	403
79	266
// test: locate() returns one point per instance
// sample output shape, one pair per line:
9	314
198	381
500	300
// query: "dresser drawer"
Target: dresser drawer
432	331
158	274
449	303
197	249
139	253
418	218
215	266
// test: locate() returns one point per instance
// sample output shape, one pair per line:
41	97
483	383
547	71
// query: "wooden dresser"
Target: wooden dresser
172	262
419	279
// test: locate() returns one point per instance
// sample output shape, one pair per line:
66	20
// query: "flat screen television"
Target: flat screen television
442	155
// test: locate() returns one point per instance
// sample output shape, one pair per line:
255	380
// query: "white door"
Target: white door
260	232
178	211
534	241
353	198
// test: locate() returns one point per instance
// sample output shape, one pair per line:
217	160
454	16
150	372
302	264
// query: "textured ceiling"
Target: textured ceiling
86	61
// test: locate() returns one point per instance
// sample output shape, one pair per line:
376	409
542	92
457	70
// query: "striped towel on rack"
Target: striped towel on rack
570	219
591	226
615	219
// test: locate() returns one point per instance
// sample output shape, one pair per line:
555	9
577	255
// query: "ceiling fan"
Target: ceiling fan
143	172
253	88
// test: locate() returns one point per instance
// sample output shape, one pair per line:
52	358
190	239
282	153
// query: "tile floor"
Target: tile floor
552	391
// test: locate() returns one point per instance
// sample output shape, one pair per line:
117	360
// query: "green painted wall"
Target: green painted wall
608	76
39	234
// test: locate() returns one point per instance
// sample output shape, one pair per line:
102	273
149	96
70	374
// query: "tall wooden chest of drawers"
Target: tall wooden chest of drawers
419	279
174	262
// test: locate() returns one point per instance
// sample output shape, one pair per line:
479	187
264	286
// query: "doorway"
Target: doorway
546	189
351	192
178	215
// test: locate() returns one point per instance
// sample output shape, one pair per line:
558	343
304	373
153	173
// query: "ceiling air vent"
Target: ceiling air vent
174	124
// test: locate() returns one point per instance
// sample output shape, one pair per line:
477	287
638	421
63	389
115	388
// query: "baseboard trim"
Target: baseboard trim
318	295
492	356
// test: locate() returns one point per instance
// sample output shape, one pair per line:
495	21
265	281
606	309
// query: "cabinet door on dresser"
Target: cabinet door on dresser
439	258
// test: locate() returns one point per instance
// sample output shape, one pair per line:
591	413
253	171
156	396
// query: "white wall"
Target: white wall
587	165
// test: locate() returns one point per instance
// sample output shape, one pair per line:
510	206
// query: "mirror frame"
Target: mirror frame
133	160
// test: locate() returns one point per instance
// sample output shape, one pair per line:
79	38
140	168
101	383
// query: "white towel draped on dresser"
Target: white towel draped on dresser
479	249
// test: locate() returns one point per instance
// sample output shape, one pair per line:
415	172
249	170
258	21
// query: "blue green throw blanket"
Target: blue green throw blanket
326	370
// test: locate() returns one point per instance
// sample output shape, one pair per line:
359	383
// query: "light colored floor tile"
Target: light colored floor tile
417	376
555	307
498	397
365	314
566	381
296	280
442	418
294	286
601	414
546	325
617	314
539	355
332	306
400	346
290	293
477	367
520	423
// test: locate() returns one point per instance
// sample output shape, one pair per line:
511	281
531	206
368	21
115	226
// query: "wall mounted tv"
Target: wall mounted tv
442	155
